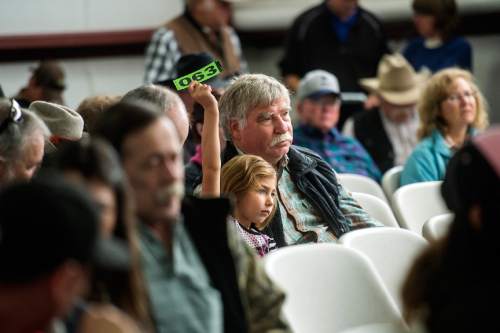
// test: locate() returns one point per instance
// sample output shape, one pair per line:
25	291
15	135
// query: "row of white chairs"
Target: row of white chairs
410	207
334	287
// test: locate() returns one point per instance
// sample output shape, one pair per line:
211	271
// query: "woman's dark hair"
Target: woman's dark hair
94	159
444	11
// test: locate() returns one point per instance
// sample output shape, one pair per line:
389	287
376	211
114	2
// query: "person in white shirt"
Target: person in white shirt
389	132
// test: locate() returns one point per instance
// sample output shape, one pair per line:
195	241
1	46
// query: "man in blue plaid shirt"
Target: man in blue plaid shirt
318	108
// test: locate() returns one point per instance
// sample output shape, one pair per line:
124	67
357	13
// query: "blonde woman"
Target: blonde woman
451	109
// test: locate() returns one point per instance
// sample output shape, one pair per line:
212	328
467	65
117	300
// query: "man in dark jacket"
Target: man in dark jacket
337	36
199	275
312	205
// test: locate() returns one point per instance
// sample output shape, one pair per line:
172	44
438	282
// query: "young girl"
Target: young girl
247	178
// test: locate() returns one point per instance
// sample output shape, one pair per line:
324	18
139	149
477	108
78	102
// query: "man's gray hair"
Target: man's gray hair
246	93
15	136
161	97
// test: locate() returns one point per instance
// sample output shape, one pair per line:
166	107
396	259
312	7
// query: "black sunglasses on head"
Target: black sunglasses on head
15	115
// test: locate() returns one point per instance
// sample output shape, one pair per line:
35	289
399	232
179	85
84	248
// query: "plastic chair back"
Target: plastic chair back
329	288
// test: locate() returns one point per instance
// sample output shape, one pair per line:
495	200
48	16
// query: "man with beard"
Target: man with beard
312	205
199	275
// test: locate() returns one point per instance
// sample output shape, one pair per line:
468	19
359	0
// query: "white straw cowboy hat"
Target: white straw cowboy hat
63	122
396	81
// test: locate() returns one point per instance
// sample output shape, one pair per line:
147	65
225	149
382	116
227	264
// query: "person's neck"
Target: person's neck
433	41
21	312
246	223
164	231
455	136
240	151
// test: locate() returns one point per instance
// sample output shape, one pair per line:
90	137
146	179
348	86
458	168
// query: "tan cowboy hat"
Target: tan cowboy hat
396	80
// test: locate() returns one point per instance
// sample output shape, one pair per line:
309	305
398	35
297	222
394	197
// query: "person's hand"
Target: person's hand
202	94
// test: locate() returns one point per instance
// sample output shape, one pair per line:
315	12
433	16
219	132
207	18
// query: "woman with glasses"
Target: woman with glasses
451	109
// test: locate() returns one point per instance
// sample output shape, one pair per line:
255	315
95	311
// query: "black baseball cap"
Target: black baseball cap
47	221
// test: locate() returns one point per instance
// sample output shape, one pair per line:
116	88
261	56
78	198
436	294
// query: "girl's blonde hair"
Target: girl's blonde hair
242	174
436	91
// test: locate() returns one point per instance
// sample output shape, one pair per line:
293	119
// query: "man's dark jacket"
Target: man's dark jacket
370	131
206	222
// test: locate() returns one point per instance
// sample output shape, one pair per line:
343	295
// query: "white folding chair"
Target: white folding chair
390	180
414	204
363	184
391	250
376	208
437	227
329	288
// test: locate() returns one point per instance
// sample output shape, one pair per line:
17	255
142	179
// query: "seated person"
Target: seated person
438	46
22	142
318	107
389	132
248	179
312	206
47	250
451	110
91	108
93	163
47	83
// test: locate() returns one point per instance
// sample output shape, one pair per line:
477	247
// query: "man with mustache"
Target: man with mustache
312	205
199	275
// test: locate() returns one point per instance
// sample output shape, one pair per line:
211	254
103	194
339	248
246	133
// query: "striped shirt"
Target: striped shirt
301	221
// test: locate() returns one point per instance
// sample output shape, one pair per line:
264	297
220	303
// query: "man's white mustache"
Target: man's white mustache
174	190
280	138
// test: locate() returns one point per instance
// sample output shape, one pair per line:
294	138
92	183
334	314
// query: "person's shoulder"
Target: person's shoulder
304	153
314	10
309	14
423	151
370	18
161	33
458	42
195	208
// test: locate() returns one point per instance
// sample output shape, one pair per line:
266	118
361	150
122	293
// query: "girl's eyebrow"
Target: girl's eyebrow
265	187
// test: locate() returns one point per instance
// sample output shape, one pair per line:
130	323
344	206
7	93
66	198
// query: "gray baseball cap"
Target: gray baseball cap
317	83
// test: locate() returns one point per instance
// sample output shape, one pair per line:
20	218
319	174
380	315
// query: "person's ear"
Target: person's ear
300	108
235	129
198	127
68	283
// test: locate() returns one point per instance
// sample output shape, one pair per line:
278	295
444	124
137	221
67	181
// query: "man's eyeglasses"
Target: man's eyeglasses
15	115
